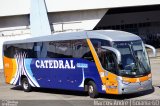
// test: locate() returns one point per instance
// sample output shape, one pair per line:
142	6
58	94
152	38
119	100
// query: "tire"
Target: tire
92	89
25	85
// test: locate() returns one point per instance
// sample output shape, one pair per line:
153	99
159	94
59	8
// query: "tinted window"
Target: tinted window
81	50
14	50
9	51
108	60
52	49
40	49
106	57
61	49
30	50
100	42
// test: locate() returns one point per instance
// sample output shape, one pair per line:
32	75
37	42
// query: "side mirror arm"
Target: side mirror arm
153	49
118	54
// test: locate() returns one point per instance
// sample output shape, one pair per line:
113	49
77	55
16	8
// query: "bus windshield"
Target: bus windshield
135	62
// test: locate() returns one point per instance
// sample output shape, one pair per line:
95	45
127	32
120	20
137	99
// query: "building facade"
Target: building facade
141	17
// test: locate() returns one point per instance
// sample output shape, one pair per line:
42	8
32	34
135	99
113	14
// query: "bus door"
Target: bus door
109	63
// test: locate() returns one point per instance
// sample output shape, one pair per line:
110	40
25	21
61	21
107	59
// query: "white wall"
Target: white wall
76	20
14	7
18	7
70	5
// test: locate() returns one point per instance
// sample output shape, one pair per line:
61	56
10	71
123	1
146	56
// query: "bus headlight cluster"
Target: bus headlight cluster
126	83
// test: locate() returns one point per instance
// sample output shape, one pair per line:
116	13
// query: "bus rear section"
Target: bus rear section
92	64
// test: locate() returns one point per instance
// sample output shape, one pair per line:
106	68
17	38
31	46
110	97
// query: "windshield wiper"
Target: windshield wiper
130	47
139	75
136	58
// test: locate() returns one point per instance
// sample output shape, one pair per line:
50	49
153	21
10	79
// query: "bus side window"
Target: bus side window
59	49
88	56
40	49
51	52
77	48
110	62
8	51
63	49
30	50
37	49
107	59
14	50
81	50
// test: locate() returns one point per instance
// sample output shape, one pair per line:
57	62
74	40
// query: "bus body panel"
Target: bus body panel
9	69
49	77
134	87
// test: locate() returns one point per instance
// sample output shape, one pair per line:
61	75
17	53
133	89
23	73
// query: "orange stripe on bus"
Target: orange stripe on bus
98	64
9	69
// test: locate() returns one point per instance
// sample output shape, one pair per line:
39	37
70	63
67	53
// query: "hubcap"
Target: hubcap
90	89
25	85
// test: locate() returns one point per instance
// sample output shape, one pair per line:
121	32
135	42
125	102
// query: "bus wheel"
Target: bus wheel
25	85
92	89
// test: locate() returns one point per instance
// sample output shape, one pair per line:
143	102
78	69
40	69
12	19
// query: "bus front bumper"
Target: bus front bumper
134	87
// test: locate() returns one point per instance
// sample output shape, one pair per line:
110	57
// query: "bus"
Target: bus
97	61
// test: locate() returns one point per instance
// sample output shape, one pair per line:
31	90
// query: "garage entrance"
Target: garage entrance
143	21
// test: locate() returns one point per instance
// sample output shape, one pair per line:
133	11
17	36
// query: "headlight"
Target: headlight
126	83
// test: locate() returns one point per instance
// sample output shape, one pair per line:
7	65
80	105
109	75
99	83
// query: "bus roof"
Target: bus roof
110	35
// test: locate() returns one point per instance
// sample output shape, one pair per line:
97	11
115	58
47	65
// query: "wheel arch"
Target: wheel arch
22	77
86	83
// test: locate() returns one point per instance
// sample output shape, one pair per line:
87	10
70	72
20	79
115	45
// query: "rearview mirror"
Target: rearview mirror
152	48
118	54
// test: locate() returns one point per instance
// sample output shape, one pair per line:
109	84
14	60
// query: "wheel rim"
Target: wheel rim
91	89
25	85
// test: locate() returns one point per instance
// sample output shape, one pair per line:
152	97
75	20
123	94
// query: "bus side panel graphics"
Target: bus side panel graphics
109	80
72	79
17	69
63	73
